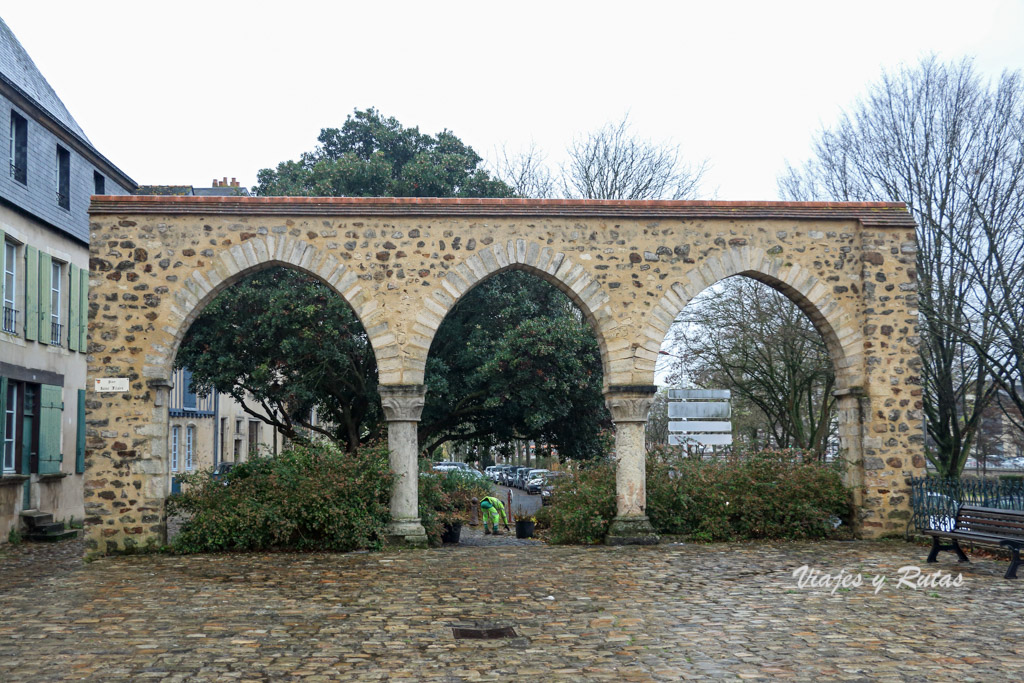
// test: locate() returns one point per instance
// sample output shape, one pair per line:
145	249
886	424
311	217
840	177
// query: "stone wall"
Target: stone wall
403	263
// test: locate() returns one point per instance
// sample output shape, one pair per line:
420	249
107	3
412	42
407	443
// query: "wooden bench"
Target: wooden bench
987	526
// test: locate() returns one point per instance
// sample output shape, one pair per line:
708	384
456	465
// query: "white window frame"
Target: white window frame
56	272
175	438
190	448
11	429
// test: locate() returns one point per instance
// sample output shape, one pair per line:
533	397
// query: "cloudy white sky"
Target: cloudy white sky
185	92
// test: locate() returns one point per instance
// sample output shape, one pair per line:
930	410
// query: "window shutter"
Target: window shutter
74	308
51	405
45	261
83	311
31	292
3	412
80	436
3	264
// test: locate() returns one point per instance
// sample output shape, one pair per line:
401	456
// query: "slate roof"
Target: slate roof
19	70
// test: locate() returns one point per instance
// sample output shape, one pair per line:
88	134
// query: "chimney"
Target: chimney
214	182
234	182
224	183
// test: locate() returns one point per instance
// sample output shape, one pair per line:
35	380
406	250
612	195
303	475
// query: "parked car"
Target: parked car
491	472
446	465
518	480
548	486
534	480
221	470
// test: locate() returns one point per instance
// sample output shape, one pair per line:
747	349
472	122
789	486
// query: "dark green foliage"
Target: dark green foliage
288	343
446	498
308	498
582	505
514	359
767	494
373	156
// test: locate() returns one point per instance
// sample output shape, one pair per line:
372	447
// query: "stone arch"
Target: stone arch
837	326
550	265
230	266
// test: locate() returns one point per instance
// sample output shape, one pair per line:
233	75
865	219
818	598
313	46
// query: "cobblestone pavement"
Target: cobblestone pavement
660	613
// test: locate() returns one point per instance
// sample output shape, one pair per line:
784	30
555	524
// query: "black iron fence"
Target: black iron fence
935	500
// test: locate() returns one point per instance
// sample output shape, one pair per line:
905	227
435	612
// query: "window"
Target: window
31	425
175	434
10	287
223	438
190	448
10	464
19	148
63	178
254	437
55	296
99	183
188	397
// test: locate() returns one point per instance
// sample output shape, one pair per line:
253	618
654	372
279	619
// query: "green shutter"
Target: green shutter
45	261
3	412
51	405
83	306
31	292
3	263
80	436
73	308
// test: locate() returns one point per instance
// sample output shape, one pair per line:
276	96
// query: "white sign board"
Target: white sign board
699	417
702	439
111	385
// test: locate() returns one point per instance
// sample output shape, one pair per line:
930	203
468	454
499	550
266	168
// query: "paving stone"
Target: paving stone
669	612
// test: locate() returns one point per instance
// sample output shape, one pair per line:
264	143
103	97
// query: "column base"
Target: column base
407	533
631	531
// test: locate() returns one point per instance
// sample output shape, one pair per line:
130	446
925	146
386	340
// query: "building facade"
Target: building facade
44	231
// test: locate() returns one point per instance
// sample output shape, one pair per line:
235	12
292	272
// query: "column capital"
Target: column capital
630	403
402	402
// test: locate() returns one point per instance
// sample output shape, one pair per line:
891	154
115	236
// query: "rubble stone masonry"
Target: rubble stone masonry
403	263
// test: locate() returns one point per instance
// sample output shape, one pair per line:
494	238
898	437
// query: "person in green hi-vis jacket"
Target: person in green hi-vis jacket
492	510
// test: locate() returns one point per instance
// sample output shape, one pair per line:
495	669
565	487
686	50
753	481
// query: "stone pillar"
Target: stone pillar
629	406
851	446
403	404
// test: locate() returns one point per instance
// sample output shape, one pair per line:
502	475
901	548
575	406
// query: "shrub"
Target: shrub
767	494
582	505
445	498
310	497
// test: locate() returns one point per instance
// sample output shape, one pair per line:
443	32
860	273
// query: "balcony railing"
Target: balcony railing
18	173
10	320
55	333
63	200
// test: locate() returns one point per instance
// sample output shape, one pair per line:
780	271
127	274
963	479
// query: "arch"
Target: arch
841	334
259	253
552	266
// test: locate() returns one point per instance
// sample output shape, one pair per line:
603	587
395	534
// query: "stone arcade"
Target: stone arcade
402	264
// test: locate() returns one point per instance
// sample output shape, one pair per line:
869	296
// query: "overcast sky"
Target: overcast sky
181	93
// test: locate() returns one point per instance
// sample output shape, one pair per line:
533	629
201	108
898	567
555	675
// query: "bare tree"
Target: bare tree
525	172
613	163
919	137
745	336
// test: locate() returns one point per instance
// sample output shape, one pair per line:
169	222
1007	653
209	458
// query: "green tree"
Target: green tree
286	347
513	360
373	156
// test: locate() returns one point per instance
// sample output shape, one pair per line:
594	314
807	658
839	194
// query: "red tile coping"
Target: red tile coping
892	214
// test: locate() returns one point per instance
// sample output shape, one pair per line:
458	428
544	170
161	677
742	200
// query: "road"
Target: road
523	504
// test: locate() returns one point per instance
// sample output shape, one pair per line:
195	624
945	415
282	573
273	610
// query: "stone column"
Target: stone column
629	406
403	404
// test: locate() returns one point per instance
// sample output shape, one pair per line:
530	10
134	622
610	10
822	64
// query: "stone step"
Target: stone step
61	535
35	518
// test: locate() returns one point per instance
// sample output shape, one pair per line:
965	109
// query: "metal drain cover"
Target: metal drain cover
487	633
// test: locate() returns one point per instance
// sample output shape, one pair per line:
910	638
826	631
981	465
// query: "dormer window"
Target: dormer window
19	148
63	178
